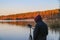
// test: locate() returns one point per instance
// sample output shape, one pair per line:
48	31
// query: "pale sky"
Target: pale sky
8	7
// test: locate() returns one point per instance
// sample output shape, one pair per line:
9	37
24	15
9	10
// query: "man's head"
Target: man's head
38	18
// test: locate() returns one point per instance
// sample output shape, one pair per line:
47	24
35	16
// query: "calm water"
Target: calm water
19	32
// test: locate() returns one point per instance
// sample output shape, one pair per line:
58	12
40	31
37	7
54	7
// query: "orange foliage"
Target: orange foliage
31	15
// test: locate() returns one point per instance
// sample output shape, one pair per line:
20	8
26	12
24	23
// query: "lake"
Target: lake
20	31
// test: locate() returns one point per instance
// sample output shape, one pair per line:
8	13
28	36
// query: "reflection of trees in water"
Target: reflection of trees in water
56	30
59	35
21	23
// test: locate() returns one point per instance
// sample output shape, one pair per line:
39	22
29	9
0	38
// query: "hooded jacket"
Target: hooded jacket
41	29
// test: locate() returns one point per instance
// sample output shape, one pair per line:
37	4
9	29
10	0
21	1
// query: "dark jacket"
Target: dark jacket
40	31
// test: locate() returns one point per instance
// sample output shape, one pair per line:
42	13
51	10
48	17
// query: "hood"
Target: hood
38	18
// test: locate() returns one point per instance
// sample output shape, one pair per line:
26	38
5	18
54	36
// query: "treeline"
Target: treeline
48	14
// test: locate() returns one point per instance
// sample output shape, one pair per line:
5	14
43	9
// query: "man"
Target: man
41	30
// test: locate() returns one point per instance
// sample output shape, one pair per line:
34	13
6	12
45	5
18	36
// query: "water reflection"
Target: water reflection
20	31
13	32
59	35
56	30
21	23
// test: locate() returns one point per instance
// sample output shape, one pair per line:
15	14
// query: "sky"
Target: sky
8	7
